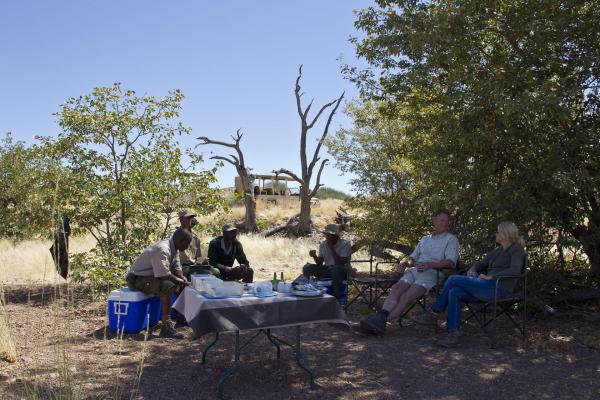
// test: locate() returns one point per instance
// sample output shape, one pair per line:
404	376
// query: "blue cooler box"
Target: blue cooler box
129	310
329	290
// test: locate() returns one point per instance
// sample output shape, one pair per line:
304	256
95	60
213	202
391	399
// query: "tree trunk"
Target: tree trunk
250	217
304	223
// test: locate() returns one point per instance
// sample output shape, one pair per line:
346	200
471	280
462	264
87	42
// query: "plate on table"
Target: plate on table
227	296
306	293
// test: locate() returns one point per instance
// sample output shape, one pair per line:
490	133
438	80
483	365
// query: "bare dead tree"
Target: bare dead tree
307	167
249	224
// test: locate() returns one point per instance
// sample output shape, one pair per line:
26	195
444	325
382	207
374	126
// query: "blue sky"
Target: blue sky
235	61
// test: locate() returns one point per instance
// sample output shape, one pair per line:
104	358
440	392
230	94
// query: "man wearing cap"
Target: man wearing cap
224	250
191	258
334	253
155	272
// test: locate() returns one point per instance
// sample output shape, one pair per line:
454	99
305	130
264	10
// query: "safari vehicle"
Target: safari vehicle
271	188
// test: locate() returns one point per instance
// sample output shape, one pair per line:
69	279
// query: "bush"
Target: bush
330	193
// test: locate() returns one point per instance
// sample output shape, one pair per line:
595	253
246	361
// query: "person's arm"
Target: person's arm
340	259
517	256
197	251
240	256
161	267
318	260
176	267
481	265
213	256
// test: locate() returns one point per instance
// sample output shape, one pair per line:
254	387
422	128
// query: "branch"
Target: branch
232	162
204	140
290	174
318	182
297	93
325	132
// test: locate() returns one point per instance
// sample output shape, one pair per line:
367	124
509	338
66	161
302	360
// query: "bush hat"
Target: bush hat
332	229
186	213
229	228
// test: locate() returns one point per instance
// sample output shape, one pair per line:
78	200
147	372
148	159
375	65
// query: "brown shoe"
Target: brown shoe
452	339
427	318
167	331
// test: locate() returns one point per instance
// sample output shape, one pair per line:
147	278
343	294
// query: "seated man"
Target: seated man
434	252
224	250
156	271
191	258
334	252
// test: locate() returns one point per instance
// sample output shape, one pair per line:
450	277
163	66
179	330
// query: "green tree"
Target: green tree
126	176
495	106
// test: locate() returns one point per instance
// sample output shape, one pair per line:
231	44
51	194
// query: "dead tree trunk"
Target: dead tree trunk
249	224
307	167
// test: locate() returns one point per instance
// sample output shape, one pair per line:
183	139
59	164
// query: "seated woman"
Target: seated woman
506	259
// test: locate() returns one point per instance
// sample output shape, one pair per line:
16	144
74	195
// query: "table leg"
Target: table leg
208	347
232	370
298	356
272	340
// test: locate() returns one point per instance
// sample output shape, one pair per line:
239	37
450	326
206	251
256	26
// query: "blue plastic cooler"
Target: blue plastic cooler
130	310
329	289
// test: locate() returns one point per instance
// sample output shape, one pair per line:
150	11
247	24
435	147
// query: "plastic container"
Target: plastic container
326	284
130	311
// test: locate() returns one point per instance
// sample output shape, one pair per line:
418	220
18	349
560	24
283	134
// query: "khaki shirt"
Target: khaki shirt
157	260
436	247
342	248
193	254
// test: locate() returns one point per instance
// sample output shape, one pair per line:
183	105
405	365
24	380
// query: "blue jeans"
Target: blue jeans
461	289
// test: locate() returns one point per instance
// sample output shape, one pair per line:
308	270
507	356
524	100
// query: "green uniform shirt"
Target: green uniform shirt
193	254
219	258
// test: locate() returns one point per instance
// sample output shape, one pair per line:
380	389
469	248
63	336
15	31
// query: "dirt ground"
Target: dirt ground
65	344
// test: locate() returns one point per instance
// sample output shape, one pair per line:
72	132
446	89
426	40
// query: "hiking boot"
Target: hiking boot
167	331
452	339
427	318
374	324
180	321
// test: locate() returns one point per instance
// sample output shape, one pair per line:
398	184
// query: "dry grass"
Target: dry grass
323	212
30	261
8	350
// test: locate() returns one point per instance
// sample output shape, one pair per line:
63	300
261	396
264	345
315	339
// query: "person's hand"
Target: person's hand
422	267
471	272
243	267
401	266
183	282
486	277
312	253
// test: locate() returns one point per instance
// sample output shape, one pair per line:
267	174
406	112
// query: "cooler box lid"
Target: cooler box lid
126	294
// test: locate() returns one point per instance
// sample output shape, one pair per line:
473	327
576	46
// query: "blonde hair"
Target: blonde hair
511	232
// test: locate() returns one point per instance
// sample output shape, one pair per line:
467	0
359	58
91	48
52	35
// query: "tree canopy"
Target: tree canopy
125	174
488	108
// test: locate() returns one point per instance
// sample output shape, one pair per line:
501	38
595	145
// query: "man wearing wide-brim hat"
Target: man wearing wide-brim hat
191	259
333	260
224	250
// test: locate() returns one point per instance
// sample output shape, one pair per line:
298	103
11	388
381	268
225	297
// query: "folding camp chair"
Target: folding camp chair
485	313
369	289
435	291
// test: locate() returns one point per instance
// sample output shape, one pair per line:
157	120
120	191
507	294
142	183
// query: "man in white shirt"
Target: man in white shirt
433	253
333	260
157	271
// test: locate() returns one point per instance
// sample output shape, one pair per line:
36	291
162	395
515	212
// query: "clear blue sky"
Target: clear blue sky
235	61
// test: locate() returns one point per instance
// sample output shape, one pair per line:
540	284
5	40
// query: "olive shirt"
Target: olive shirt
193	254
222	259
157	260
502	262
